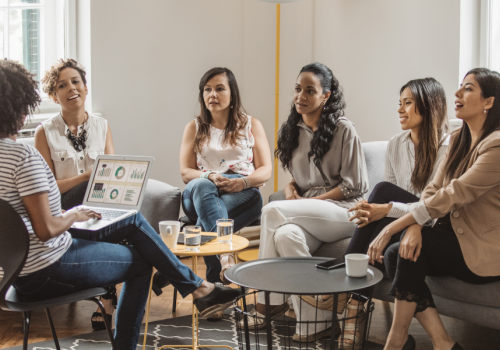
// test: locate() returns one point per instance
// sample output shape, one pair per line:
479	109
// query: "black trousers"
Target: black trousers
440	256
74	197
383	193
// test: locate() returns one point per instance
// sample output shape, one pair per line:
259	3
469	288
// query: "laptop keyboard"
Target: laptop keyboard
109	214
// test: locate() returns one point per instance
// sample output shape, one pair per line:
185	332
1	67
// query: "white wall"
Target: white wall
147	61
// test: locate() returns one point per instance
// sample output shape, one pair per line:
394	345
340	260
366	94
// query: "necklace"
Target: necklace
79	140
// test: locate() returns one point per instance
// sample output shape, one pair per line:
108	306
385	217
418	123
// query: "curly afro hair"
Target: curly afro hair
18	96
288	136
51	77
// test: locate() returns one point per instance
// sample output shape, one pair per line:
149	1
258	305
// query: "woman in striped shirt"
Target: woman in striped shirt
411	160
57	263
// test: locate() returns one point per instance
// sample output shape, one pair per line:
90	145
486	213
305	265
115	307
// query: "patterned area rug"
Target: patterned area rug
178	331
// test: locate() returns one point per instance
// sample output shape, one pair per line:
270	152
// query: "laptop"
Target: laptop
116	189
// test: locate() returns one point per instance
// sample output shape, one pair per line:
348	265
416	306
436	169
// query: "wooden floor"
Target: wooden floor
74	319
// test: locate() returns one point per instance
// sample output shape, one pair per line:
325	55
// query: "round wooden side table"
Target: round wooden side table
213	247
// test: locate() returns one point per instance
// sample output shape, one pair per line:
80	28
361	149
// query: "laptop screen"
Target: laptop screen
118	182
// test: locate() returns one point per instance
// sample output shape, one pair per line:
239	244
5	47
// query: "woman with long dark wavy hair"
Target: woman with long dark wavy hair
224	159
464	197
411	161
322	151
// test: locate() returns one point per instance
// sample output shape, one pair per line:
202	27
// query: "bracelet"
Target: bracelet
246	182
206	174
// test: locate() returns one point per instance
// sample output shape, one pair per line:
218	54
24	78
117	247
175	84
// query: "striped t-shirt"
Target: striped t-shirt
24	172
399	165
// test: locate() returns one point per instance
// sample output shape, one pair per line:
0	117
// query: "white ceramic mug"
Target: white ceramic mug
169	231
356	265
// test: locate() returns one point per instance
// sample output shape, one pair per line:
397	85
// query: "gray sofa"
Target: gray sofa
478	304
161	201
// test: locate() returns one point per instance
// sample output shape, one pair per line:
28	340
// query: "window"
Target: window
33	32
492	35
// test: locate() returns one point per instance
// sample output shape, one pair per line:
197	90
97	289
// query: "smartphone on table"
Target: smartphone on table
330	265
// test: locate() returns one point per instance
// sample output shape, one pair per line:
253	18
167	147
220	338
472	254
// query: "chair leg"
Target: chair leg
174	302
54	334
106	323
26	328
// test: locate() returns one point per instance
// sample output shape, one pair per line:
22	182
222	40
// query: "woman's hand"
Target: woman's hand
367	213
231	185
82	214
296	195
289	191
411	244
217	179
376	248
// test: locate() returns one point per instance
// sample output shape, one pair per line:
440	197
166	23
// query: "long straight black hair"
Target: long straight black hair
459	158
430	103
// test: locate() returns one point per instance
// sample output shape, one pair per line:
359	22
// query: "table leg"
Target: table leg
147	312
268	321
245	319
333	343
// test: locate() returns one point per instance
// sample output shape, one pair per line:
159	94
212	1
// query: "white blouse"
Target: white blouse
67	161
399	165
219	158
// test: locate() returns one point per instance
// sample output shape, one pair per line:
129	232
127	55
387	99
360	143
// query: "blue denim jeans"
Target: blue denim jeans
204	204
89	263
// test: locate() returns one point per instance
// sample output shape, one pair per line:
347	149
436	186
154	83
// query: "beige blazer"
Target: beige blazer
474	202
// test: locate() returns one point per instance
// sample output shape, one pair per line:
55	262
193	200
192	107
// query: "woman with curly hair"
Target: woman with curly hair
71	141
322	151
58	263
224	159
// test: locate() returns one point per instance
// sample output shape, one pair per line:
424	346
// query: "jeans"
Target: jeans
89	263
74	197
204	204
138	232
383	193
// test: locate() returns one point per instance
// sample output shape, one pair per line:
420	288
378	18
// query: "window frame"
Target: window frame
69	44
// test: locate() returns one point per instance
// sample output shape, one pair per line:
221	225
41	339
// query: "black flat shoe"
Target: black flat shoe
410	344
217	300
457	347
159	282
100	325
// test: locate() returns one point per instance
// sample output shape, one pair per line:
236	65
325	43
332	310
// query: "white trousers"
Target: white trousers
298	228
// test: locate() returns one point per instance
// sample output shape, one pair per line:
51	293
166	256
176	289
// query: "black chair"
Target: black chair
14	247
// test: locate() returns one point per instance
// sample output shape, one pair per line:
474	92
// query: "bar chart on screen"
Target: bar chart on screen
104	171
131	195
137	173
98	192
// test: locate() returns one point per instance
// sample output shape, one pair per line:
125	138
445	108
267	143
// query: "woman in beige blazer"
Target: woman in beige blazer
464	197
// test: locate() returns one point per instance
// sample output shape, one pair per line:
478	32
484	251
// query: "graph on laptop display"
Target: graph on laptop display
118	182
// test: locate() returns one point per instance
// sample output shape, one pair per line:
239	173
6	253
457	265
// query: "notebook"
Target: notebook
116	189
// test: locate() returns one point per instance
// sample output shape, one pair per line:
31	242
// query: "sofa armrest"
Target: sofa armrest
277	196
161	202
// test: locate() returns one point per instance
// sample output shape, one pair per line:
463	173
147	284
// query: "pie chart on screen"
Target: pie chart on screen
120	172
113	194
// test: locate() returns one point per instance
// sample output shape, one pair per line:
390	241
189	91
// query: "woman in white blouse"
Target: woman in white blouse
411	160
224	159
71	141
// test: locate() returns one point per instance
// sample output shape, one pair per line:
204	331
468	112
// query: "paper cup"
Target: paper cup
356	265
169	231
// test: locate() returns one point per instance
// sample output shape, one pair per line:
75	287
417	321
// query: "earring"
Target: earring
485	111
231	106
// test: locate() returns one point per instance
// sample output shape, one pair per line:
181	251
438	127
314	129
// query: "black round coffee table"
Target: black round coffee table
300	276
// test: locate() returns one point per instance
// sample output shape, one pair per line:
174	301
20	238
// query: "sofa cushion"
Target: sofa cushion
375	160
479	294
161	202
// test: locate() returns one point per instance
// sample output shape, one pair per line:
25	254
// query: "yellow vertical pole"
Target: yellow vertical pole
277	95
